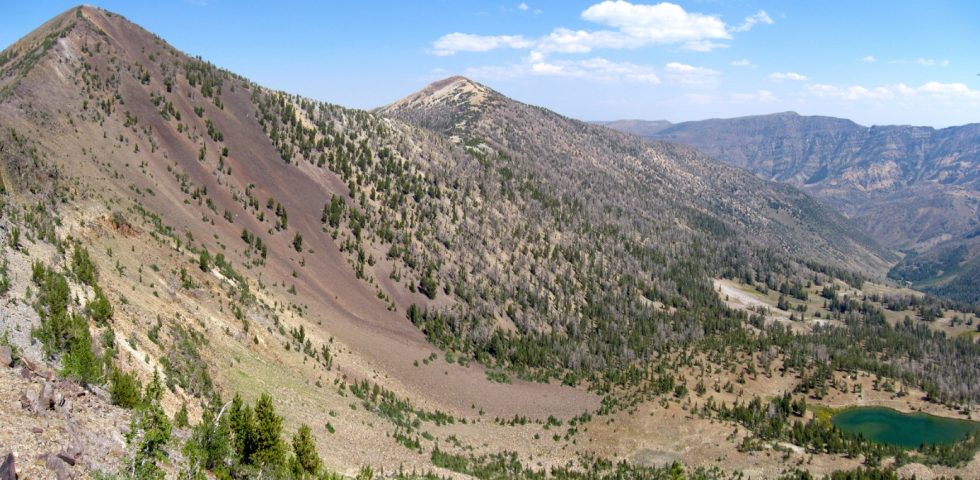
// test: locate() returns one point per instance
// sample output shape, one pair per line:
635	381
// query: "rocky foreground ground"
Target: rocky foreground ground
55	428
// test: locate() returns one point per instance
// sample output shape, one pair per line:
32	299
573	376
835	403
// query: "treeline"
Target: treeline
781	419
64	331
922	304
232	440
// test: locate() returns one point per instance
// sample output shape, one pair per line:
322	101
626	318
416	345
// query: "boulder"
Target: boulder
45	397
65	406
29	364
58	466
71	455
27	403
6	356
8	470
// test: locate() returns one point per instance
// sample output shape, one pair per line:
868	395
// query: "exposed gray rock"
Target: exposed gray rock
71	455
8	470
27	403
45	397
6	356
60	468
65	406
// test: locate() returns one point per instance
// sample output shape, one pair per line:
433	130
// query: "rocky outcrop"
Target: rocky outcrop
61	428
6	356
8	470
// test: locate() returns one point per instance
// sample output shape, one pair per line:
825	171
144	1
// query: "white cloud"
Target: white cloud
689	75
949	90
598	69
630	26
855	92
787	76
523	7
594	69
465	42
742	63
663	23
929	91
869	59
760	17
563	40
929	62
703	45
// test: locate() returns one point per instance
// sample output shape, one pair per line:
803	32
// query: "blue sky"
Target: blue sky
877	62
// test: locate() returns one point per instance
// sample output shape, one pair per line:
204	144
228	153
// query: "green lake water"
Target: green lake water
884	425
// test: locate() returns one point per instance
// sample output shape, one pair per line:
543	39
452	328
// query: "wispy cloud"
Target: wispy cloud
929	62
930	90
465	42
760	17
742	63
869	59
595	69
689	75
602	70
779	76
629	26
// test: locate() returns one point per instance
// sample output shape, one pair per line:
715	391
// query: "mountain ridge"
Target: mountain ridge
491	121
913	188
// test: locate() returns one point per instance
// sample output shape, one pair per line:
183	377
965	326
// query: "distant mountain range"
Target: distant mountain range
914	189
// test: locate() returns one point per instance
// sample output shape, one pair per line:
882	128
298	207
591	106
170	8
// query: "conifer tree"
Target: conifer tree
269	447
306	461
243	425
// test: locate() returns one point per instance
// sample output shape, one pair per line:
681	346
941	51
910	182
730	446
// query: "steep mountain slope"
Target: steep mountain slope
153	160
912	188
618	170
412	290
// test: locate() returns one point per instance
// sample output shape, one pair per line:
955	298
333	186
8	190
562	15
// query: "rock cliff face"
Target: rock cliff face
916	189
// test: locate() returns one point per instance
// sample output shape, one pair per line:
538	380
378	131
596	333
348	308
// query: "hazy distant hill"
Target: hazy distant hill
912	188
643	128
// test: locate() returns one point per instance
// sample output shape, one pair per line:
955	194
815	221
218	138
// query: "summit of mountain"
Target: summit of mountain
605	168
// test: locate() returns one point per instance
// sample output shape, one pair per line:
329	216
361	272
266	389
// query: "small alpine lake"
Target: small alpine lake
909	430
